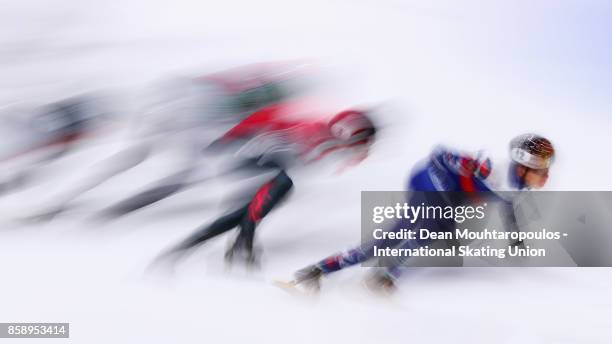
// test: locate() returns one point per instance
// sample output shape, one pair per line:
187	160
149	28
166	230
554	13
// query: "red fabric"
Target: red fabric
305	132
310	134
467	183
258	202
267	119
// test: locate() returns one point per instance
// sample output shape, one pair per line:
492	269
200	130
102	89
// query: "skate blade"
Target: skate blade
292	288
285	285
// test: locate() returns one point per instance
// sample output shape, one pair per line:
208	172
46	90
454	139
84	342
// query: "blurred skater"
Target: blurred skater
445	170
277	141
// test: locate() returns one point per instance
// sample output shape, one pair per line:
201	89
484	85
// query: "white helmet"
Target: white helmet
532	150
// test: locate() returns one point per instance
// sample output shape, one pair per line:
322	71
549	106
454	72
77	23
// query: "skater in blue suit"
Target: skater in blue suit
444	171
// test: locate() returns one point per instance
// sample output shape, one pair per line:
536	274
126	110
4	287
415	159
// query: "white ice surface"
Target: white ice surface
469	74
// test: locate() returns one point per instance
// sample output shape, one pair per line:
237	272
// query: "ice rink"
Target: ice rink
468	74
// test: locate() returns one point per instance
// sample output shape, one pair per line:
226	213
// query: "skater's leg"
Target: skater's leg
102	172
173	184
159	191
311	274
111	167
267	197
220	226
384	278
359	254
243	243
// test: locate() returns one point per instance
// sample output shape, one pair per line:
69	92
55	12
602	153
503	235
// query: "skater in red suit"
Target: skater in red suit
275	138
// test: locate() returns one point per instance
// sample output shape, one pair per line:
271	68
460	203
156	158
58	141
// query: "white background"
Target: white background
469	74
